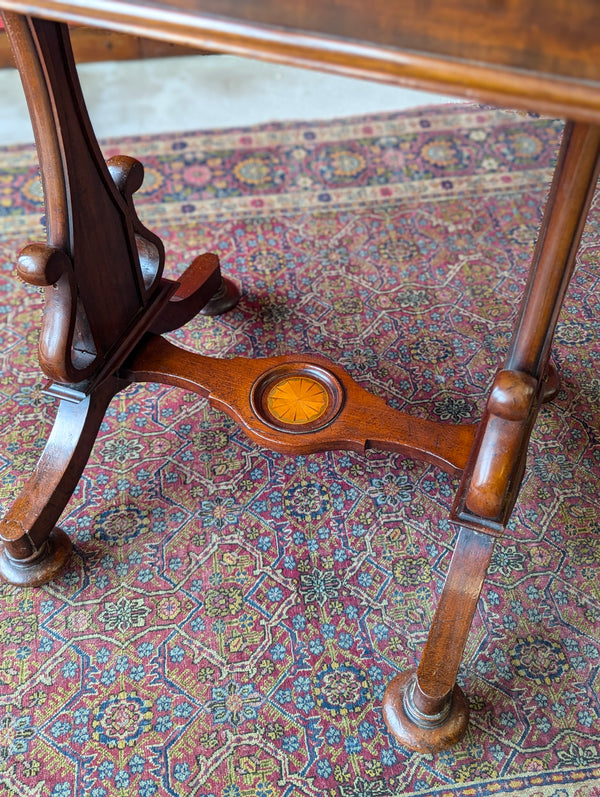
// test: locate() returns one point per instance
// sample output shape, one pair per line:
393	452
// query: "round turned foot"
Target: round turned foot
224	299
418	731
39	568
552	385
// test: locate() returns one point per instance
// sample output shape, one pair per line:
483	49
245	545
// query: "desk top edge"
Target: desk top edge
486	82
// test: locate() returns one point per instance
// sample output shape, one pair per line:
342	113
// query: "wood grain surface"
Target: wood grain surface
542	56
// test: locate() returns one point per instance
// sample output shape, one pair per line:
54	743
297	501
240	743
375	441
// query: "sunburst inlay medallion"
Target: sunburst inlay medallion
297	400
297	397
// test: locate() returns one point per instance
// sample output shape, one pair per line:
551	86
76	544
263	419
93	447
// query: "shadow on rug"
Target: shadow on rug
230	617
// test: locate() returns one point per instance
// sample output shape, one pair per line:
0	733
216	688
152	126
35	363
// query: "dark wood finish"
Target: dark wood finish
28	556
108	303
425	733
97	284
552	383
96	44
42	565
541	56
102	271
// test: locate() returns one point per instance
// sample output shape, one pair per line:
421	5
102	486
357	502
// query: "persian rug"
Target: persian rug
230	617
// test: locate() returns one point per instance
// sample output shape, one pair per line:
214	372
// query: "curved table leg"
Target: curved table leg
34	550
102	273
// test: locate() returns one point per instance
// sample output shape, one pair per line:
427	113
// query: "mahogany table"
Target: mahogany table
107	303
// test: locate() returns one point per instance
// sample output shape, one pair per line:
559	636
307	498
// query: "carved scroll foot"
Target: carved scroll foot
425	733
39	568
200	289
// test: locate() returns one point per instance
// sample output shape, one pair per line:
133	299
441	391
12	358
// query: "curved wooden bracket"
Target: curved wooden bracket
30	554
492	478
493	475
47	266
363	421
200	286
101	266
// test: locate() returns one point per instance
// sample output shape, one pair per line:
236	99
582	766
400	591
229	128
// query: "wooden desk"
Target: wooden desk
107	303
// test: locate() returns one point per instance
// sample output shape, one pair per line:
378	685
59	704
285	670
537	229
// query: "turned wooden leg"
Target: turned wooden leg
425	709
492	477
34	551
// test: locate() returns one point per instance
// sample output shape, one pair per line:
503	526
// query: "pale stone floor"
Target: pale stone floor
203	92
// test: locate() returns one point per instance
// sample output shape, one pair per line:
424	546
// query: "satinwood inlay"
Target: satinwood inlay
297	398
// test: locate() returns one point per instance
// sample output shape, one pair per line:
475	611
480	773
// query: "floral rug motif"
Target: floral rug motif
230	617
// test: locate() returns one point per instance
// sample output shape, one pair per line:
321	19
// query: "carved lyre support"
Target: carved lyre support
102	270
102	274
98	285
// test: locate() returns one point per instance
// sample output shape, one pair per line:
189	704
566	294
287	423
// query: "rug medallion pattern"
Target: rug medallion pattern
230	617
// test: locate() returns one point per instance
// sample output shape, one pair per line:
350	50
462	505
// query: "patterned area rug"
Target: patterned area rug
230	617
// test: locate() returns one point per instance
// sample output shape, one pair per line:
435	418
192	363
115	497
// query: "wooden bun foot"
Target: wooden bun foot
552	385
415	730
39	568
224	299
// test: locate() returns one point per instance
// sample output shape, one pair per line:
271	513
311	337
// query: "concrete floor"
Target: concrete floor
203	92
